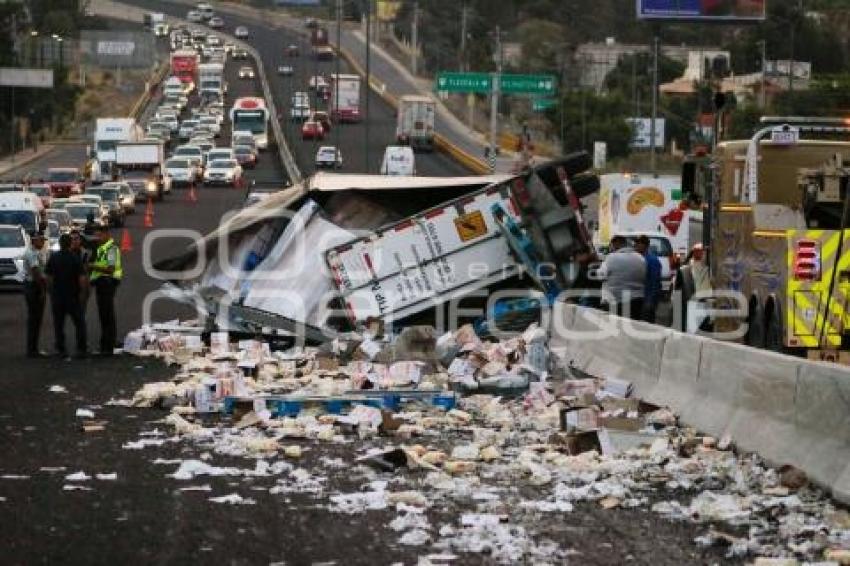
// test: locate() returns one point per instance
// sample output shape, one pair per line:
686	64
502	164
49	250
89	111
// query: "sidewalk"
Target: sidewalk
21	158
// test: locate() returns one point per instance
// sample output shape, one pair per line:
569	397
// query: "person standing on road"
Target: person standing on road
625	277
80	251
66	277
106	273
652	285
35	287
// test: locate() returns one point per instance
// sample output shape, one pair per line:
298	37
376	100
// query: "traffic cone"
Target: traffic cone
149	214
191	196
126	242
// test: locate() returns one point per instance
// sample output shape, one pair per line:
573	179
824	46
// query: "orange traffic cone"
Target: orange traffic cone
192	196
126	241
149	214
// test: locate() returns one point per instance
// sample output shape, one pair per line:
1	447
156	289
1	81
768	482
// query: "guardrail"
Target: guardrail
788	410
285	154
156	77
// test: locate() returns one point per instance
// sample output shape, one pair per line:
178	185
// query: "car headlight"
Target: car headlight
150	186
19	263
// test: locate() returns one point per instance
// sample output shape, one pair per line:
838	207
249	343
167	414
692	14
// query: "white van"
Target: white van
21	209
398	160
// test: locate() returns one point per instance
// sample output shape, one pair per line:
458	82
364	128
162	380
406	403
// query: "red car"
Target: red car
312	130
64	182
245	156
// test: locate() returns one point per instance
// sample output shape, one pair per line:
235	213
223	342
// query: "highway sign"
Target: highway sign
542	104
464	82
528	84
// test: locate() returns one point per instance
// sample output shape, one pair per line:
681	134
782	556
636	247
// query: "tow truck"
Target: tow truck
776	215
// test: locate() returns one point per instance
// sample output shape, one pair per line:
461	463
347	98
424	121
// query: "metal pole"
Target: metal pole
653	157
463	37
368	77
763	73
494	95
414	38
336	64
791	62
12	127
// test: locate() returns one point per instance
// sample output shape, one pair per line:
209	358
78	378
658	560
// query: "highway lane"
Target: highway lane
270	43
176	212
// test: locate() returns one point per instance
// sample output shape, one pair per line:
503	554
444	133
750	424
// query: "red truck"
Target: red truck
184	65
64	182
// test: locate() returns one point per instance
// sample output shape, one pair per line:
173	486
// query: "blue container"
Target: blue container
228	405
288	408
445	402
335	407
391	402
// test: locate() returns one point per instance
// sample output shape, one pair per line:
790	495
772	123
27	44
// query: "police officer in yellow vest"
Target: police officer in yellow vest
106	273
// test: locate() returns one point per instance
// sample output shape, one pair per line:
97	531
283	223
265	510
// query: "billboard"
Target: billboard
29	78
707	10
642	132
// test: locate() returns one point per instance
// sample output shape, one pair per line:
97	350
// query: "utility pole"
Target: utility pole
368	76
494	94
463	37
652	158
763	73
414	38
336	64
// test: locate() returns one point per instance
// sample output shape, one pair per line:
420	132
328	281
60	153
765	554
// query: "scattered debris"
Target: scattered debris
57	389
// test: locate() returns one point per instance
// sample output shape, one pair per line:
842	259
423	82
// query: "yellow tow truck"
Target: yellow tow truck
776	229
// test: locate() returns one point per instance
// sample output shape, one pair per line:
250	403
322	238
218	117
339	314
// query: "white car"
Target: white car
180	171
317	81
191	152
246	72
211	123
13	244
194	16
220	153
216	22
328	156
187	128
241	32
224	172
53	232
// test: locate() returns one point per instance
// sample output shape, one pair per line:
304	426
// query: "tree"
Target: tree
588	118
541	42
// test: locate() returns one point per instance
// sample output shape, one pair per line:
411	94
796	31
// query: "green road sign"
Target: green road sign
542	85
528	84
542	104
464	82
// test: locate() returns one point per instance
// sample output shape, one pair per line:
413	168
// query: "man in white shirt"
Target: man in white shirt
625	278
35	291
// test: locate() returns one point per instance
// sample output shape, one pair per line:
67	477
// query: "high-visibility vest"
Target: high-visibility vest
101	259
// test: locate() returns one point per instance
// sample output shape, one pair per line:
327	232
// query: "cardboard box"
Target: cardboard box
579	419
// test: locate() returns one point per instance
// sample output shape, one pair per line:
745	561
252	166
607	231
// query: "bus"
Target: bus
249	114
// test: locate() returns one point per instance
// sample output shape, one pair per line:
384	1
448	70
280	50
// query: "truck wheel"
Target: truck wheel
755	324
773	328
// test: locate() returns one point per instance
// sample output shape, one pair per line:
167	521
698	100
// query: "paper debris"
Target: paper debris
233	499
57	389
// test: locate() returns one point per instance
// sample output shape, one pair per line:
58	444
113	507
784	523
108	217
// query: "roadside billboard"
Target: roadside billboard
708	10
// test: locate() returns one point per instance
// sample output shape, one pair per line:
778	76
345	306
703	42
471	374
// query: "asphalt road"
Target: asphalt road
359	156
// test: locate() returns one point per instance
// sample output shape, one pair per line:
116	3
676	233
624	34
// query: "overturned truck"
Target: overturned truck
337	251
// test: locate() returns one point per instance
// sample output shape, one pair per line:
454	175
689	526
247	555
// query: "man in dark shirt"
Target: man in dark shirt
66	278
81	248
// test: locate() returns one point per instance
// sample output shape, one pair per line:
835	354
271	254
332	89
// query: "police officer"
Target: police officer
66	276
35	291
106	273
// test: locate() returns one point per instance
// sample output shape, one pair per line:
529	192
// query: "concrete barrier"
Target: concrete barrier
788	410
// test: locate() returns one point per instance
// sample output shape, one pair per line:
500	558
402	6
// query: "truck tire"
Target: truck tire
773	327
755	324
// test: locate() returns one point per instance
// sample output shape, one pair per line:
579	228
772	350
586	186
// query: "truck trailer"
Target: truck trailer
415	121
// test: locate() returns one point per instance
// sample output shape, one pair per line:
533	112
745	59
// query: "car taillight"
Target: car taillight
806	261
